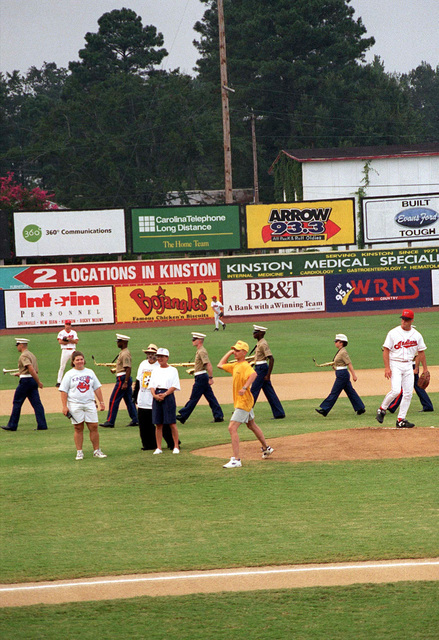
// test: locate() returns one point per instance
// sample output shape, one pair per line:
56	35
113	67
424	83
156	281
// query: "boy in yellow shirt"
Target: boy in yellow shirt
243	378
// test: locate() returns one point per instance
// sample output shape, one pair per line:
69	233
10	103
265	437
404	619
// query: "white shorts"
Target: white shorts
239	415
82	412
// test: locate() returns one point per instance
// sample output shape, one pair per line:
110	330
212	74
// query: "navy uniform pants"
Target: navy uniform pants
201	388
116	397
260	384
342	383
27	388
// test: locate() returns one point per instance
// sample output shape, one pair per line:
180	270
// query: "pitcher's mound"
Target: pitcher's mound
346	444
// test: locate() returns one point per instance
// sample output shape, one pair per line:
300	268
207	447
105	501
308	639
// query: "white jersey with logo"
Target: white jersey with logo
67	334
403	345
144	397
80	385
217	306
164	378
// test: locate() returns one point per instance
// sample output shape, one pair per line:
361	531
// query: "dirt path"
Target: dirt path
289	386
237	579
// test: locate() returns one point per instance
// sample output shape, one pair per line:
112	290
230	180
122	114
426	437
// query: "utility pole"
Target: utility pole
225	106
255	161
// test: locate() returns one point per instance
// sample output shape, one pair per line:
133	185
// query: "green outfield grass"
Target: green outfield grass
294	343
134	513
379	612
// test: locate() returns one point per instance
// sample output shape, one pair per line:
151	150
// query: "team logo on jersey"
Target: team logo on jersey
84	384
405	344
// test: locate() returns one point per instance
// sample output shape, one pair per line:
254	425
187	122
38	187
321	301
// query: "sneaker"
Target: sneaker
380	415
224	326
176	450
404	424
215	329
267	452
157	451
98	454
232	464
79	455
58	384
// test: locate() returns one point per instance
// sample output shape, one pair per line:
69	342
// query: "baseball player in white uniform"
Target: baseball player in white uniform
68	340
400	347
217	307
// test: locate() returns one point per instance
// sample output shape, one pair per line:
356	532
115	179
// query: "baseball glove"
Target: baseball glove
424	380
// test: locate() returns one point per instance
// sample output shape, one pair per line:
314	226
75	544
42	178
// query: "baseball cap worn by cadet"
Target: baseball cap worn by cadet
162	352
240	346
342	337
151	348
407	314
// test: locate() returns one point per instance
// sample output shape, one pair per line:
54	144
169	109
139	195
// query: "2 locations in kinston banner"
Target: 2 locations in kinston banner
301	224
144	291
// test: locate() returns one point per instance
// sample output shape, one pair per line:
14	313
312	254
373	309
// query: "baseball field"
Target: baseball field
311	505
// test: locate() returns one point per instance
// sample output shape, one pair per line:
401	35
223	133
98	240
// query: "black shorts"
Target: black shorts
164	412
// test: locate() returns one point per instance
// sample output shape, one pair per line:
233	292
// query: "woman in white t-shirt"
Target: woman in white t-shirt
78	388
164	381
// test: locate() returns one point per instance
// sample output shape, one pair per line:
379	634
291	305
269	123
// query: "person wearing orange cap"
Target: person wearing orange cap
399	349
67	339
243	378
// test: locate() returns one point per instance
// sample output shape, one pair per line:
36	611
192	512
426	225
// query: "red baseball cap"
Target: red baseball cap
67	322
407	314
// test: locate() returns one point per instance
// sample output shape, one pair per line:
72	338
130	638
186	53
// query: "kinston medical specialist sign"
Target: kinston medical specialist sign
174	229
49	307
401	218
69	233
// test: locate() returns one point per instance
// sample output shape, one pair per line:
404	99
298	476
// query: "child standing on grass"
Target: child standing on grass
243	377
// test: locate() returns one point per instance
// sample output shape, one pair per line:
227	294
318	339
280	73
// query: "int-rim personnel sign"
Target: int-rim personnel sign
301	224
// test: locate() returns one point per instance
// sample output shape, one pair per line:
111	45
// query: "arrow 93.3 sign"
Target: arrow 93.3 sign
301	224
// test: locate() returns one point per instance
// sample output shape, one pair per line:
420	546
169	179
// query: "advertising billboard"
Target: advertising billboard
401	218
196	228
50	307
378	291
273	296
301	224
333	262
165	302
110	273
69	233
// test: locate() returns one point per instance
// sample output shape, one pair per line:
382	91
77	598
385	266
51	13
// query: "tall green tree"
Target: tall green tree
299	65
121	45
421	86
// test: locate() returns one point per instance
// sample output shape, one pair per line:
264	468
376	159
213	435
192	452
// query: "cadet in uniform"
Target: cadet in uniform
263	367
27	388
203	381
122	388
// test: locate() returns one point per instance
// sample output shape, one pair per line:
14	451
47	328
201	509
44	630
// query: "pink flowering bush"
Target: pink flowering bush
15	197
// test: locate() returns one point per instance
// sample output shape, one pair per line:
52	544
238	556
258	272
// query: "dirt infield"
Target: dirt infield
289	386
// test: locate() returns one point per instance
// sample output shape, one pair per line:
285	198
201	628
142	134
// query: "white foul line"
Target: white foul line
230	574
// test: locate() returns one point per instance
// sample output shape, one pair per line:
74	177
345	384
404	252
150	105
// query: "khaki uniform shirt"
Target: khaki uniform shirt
26	358
341	359
123	360
262	350
201	360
